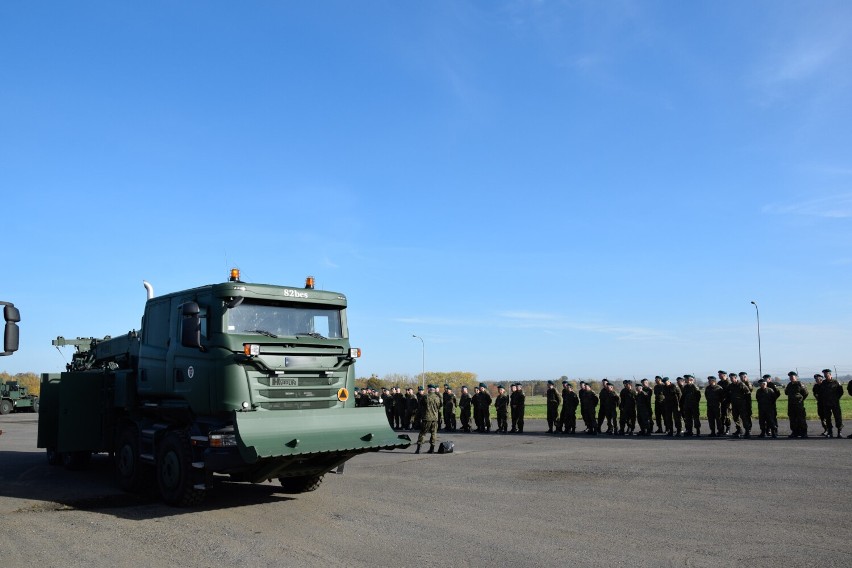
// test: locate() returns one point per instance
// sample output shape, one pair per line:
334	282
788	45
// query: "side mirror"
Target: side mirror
10	338
190	329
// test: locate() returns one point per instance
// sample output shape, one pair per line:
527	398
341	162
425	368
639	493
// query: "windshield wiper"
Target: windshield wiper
261	331
313	334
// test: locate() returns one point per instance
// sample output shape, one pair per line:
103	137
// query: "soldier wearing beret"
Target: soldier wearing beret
796	394
816	390
570	402
671	409
477	409
484	402
767	413
431	407
644	412
501	405
398	407
627	409
387	402
588	403
450	401
831	393
418	415
563	415
725	401
714	396
659	402
691	398
518	408
739	393
609	401
465	404
553	399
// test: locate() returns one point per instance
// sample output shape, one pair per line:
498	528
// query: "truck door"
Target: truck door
154	346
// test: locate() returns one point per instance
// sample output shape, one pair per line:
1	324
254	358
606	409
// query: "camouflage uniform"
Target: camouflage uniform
831	394
659	402
484	401
627	409
465	402
518	409
450	401
501	405
570	402
588	403
767	413
553	400
644	411
714	394
671	409
796	394
691	398
431	409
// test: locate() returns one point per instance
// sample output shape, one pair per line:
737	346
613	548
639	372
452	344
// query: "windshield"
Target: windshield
277	320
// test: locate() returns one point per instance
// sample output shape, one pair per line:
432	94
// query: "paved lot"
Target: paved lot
521	500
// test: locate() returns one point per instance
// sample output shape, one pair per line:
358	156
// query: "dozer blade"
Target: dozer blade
269	434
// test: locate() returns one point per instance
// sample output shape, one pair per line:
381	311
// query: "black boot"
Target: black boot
417	451
431	449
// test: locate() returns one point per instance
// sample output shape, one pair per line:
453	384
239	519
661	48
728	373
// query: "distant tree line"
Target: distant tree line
29	380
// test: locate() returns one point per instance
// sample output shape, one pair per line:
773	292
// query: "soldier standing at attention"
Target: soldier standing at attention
736	393
522	403
725	401
817	392
849	390
644	412
766	410
563	415
588	403
465	402
411	405
659	401
431	408
485	406
671	411
746	410
627	409
398	408
553	400
450	401
513	406
609	404
691	398
387	402
831	393
601	408
680	382
501	405
477	409
570	402
796	395
714	395
418	416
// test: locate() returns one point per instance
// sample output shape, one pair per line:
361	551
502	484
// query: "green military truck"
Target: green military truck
15	397
249	381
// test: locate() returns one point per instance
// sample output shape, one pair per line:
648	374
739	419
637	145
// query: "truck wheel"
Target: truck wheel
129	471
301	484
35	405
174	471
5	406
75	461
54	457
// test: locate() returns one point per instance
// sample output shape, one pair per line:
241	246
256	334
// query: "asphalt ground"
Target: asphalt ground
533	499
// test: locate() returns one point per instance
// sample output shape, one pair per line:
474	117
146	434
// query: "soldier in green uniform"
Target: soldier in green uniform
513	394
484	401
398	407
588	403
691	398
737	393
387	402
431	407
627	410
767	413
570	402
563	414
418	416
714	396
609	403
659	402
725	401
465	403
644	412
746	409
831	393
520	404
602	408
680	382
796	394
671	409
411	405
477	409
450	401
553	399
816	390
501	405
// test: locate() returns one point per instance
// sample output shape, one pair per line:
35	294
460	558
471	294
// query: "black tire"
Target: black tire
174	471
75	461
35	405
132	475
6	406
301	484
54	457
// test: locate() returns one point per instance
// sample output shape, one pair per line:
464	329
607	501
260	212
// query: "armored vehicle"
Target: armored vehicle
16	398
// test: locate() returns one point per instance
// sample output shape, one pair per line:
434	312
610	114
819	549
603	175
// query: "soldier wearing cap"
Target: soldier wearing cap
659	402
450	401
671	410
725	401
563	415
713	395
691	399
387	402
484	402
398	407
588	403
831	394
609	401
740	397
477	409
602	408
796	394
644	412
418	416
553	399
465	403
431	408
501	405
627	409
680	382
570	402
518	408
411	405
816	390
513	394
767	413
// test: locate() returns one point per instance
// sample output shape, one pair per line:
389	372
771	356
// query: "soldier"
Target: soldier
484	401
477	409
767	412
740	397
680	382
816	390
570	402
725	401
588	403
398	408
465	402
431	409
691	398
644	412
671	409
450	401
563	415
411	405
387	402
746	410
501	405
609	403
553	400
796	394
513	407
521	403
418	416
627	410
659	401
849	390
714	395
601	398
831	393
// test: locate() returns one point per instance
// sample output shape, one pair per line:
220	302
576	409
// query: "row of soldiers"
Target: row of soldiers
674	409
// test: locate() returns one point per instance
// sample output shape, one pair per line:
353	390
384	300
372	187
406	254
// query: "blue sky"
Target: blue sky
591	189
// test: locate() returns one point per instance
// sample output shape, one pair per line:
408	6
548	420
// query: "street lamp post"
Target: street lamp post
759	355
423	374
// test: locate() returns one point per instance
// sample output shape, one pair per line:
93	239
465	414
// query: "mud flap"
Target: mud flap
270	434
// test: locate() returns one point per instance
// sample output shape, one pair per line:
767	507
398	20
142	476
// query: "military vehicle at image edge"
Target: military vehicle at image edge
246	380
13	396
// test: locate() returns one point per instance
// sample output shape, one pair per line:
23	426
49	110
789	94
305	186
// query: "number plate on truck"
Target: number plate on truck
282	382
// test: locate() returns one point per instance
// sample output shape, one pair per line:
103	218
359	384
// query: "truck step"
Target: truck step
198	465
199	486
147	457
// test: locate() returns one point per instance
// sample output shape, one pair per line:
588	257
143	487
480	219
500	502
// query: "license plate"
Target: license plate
282	382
